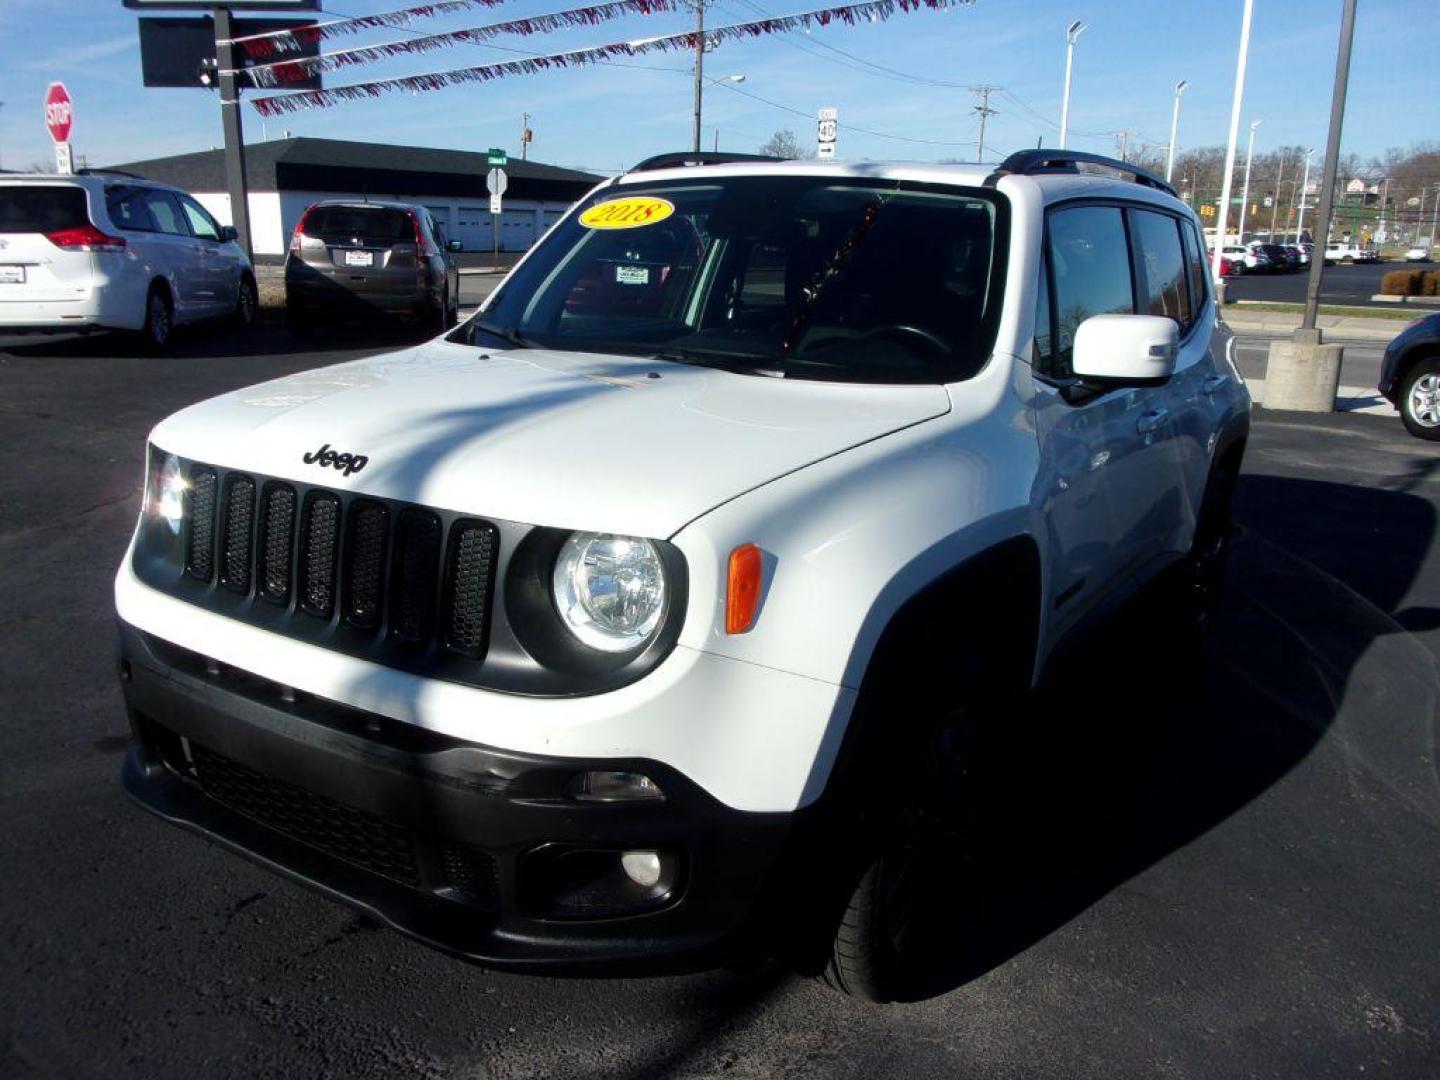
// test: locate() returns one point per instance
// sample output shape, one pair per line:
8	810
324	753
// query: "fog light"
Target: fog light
641	867
609	785
558	881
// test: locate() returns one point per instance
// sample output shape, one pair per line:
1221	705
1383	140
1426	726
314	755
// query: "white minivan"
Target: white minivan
107	251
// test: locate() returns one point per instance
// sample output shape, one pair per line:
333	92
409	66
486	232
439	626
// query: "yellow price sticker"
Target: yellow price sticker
633	212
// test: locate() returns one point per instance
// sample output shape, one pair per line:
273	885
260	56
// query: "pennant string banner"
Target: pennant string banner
287	72
848	14
280	42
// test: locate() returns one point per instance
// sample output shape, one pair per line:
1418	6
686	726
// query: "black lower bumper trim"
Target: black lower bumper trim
427	833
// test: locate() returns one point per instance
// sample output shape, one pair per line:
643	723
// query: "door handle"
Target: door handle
1215	382
1151	421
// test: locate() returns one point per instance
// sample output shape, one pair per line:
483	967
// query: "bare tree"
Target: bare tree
783	144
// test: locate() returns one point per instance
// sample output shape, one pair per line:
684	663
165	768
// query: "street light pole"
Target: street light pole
1332	164
1228	179
699	67
1174	129
1072	32
1275	200
1245	191
1304	189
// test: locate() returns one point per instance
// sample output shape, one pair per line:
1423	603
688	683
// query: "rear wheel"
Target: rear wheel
247	302
159	319
1420	399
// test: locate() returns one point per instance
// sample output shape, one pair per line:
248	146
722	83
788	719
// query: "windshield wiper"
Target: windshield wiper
745	365
504	333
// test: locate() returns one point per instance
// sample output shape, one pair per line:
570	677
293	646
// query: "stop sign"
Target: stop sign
59	113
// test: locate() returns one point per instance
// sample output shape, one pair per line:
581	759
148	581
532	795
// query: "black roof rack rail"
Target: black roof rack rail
697	157
1030	162
87	171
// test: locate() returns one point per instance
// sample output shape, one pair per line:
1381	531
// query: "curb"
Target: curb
1335	327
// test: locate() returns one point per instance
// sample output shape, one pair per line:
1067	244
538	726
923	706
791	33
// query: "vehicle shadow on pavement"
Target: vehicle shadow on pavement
1133	748
270	336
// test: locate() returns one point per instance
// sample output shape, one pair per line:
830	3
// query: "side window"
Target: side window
127	209
1199	270
1162	261
1090	263
165	212
1044	362
201	223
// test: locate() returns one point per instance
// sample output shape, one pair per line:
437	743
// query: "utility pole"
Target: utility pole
985	112
1332	165
699	67
1435	215
1275	202
525	134
2	105
1124	137
1072	34
228	61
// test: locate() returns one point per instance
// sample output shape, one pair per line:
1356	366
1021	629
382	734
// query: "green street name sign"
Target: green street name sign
498	157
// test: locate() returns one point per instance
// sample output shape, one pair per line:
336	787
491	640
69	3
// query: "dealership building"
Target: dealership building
287	175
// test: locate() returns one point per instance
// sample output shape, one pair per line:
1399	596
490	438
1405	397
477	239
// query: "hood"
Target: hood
573	440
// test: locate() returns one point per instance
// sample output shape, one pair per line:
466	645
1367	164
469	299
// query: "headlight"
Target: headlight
167	501
609	590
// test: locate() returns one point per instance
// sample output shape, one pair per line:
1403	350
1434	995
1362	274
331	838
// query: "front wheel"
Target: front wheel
1420	399
901	919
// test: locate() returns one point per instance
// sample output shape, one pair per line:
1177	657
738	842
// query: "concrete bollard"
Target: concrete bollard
1302	375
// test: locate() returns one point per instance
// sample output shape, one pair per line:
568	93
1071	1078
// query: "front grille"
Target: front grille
362	839
200	517
236	554
350	572
277	532
387	848
319	547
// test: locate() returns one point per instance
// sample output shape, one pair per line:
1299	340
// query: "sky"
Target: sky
904	82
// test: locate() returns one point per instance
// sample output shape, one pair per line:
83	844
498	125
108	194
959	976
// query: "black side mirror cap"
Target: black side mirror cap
228	233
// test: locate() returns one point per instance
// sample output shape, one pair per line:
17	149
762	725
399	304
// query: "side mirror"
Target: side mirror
454	245
228	233
1125	350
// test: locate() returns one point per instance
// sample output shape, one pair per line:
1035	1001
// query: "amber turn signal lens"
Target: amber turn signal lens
742	598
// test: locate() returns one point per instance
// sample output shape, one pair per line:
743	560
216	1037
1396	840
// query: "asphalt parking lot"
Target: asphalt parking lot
1354	284
1223	862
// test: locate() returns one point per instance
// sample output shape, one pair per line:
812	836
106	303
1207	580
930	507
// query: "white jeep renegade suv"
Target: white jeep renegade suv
628	621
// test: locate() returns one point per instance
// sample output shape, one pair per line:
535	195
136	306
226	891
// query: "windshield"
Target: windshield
802	277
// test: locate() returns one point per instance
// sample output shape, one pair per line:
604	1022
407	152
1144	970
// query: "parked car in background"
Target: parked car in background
1418	253
1410	376
1229	267
1298	254
1281	260
1253	261
368	258
106	251
1342	252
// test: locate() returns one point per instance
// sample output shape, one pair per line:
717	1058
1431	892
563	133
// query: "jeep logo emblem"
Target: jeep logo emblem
327	458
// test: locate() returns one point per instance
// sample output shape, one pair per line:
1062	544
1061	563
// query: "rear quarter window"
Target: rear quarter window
42	209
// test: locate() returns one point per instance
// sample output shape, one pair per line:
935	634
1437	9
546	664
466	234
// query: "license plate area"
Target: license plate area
359	258
12	275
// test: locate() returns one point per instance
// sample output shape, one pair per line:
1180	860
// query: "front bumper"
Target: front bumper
438	837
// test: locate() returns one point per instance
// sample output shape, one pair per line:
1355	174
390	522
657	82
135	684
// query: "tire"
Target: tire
159	324
920	878
1198	580
247	303
1420	399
